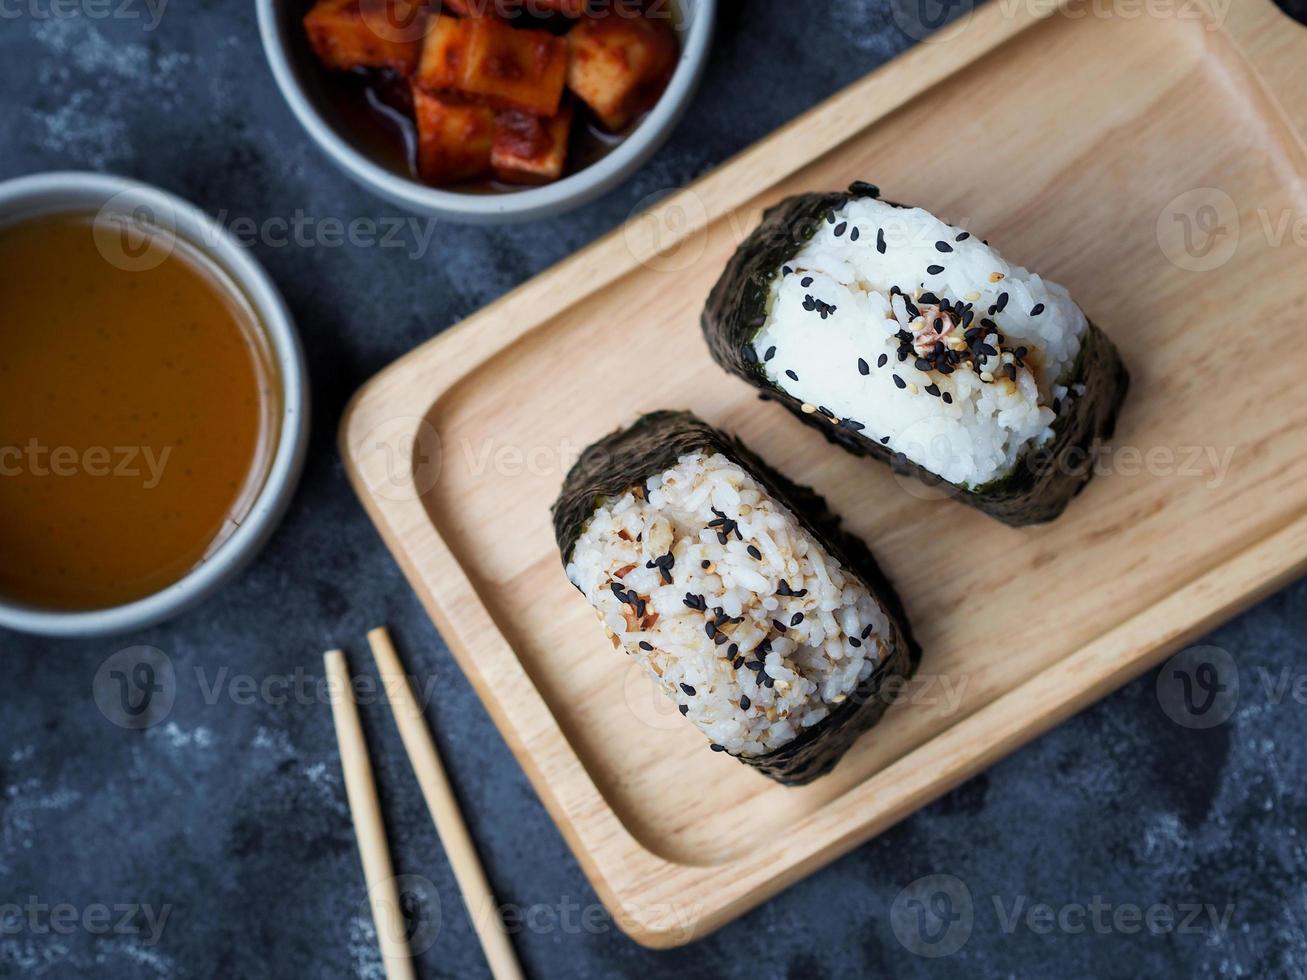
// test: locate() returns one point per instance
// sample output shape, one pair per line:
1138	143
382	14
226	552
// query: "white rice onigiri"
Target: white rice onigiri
923	338
741	616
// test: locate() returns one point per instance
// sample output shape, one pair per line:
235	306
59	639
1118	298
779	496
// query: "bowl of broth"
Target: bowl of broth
154	418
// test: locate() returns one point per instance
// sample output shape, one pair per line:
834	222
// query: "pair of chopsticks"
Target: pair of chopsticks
365	807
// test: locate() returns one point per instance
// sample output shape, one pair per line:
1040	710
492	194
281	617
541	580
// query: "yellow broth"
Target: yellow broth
138	410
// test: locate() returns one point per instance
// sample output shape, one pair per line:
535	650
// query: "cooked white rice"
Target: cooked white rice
795	616
831	340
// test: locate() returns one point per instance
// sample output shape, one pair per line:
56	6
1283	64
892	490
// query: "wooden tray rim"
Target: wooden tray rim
645	892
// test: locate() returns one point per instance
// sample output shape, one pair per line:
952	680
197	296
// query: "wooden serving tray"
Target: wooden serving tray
1086	146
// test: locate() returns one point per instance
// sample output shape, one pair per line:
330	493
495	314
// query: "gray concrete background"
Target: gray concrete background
230	816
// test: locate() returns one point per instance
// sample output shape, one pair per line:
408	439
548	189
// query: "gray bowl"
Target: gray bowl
300	79
109	195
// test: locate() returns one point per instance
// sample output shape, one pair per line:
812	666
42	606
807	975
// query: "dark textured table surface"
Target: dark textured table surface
218	842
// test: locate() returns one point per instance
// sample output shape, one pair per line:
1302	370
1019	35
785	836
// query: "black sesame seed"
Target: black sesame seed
770	682
1039	308
1001	305
921	364
779	625
943	247
930	299
705	563
841	228
854	235
854	641
717	748
932	389
684	709
830	217
948	398
882	360
755	553
880	241
754	665
787	271
884	440
751	355
791	375
646	646
733	650
771	352
739	662
796	619
934	270
963	237
805	282
710	628
863	367
900	382
745	702
688	689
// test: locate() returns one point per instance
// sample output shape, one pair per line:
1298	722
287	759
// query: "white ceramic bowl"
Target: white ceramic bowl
300	79
52	192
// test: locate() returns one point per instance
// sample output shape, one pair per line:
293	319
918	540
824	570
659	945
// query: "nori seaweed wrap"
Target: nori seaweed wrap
906	339
773	629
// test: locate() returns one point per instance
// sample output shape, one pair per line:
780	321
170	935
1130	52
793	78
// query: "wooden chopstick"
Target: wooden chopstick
387	914
421	749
